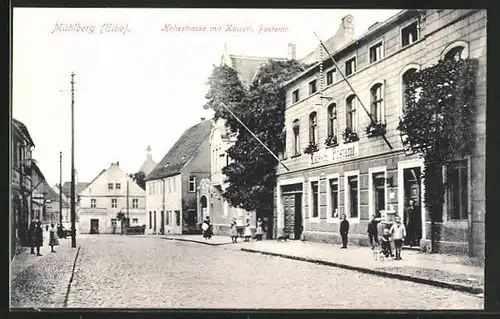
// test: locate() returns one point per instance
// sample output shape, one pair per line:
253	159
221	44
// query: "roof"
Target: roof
50	192
148	165
37	170
182	151
78	188
374	29
23	129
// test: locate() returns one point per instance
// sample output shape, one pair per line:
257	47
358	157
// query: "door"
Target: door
289	212
298	226
94	226
413	217
162	219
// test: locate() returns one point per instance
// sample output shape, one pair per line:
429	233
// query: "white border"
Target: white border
371	202
310	199
330	219
454	44
346	195
417	162
280	218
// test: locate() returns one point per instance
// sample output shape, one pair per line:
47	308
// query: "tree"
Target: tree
139	179
438	123
252	174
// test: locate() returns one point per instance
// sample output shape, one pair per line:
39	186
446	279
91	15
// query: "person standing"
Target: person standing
31	236
344	231
373	231
414	225
53	240
38	231
206	228
248	231
233	232
398	231
259	232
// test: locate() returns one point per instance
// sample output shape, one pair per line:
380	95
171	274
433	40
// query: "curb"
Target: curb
195	241
71	278
420	280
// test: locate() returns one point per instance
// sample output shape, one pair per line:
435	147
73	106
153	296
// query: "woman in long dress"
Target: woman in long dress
248	231
53	240
233	232
206	228
259	232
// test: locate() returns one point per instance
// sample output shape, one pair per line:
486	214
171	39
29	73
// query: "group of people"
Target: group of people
234	232
35	235
395	233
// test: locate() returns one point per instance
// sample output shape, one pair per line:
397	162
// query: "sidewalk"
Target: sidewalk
447	271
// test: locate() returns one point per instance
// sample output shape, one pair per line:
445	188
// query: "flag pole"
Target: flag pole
352	89
255	136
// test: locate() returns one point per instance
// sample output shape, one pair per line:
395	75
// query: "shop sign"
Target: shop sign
335	154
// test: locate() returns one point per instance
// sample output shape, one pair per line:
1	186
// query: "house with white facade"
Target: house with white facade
111	192
171	186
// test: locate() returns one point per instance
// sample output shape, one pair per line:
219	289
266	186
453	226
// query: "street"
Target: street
135	272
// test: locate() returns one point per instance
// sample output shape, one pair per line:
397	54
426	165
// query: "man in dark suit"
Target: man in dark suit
344	230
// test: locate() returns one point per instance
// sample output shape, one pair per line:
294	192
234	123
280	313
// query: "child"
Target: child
248	231
233	232
398	232
386	243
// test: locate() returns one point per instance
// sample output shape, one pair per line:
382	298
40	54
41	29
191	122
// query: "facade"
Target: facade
363	177
149	164
54	207
79	187
209	198
110	193
171	202
20	214
43	198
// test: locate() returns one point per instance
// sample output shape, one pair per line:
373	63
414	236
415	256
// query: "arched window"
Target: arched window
313	128
404	80
332	120
456	53
296	137
351	113
377	106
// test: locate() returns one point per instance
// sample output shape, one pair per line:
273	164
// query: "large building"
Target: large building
171	185
111	192
360	176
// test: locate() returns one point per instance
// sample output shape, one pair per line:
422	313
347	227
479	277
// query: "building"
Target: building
171	185
112	191
149	164
79	187
43	197
20	215
361	177
54	207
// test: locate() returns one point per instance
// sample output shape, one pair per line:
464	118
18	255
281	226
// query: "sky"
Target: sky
137	85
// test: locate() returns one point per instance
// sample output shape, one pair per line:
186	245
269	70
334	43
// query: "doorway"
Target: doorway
292	208
94	226
412	214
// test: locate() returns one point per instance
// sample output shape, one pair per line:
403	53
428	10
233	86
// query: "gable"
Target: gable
114	175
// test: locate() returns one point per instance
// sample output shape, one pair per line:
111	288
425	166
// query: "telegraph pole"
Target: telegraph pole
60	189
73	213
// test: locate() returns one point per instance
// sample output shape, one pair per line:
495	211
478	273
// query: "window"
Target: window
135	203
330	77
409	34
351	113
113	222
334	198
352	196
118	186
93	203
457	192
177	218
154	220
114	203
456	53
295	96
332	120
315	199
168	217
192	184
376	103
227	156
135	220
376	52
350	66
110	186
313	128
150	220
405	81
296	137
312	87
378	193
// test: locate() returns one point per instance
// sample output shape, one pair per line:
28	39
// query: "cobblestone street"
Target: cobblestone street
125	271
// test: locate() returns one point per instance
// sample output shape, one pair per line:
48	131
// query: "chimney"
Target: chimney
348	28
202	119
292	51
344	35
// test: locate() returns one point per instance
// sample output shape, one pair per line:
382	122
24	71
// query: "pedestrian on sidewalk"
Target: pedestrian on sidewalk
233	232
206	228
259	232
413	224
398	232
38	237
248	231
344	231
53	240
386	243
31	236
373	231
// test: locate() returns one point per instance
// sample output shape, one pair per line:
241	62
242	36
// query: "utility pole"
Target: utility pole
73	213
60	189
128	217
